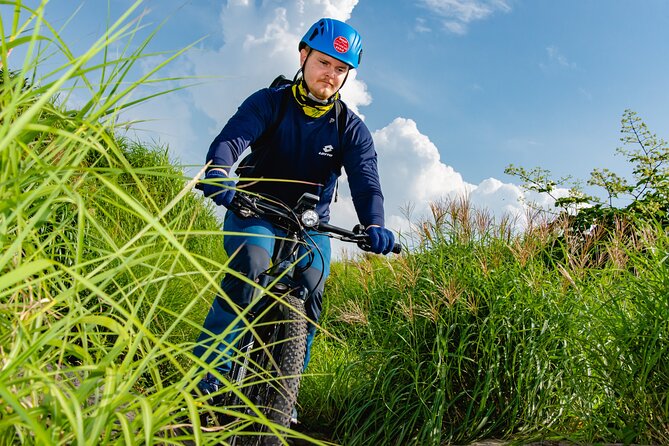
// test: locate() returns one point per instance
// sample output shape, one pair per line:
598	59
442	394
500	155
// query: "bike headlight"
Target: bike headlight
309	218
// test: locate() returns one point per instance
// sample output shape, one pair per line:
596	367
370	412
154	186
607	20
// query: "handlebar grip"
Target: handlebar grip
357	234
397	248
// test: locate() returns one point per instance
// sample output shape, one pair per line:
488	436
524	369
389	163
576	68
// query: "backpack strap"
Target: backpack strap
283	106
257	157
341	113
277	82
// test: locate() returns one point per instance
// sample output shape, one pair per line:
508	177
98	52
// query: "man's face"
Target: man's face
323	74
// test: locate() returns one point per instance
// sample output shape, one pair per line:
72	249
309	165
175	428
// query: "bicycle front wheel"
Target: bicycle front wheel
281	358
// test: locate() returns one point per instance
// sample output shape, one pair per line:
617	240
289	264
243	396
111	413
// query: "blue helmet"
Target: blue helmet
336	39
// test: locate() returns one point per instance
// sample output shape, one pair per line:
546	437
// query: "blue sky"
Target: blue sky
453	90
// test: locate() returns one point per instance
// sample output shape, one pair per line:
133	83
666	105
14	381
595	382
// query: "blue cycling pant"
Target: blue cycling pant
250	243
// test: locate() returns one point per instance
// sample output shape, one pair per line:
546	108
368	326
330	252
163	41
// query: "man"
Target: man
294	133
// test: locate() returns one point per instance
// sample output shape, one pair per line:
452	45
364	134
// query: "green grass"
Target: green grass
483	334
108	263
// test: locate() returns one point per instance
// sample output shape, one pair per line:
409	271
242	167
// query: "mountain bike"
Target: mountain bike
268	362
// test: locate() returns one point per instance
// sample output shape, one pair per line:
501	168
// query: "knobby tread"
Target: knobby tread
292	361
281	395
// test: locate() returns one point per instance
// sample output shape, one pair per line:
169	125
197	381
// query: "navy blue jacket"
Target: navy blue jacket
301	148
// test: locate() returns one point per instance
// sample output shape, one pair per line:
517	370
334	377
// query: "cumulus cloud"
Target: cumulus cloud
411	164
261	42
413	176
456	15
256	42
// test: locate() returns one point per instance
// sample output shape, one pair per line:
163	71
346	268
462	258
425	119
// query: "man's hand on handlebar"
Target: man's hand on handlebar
381	240
358	235
221	191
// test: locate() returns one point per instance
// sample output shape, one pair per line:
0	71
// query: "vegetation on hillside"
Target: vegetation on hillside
561	332
482	334
108	263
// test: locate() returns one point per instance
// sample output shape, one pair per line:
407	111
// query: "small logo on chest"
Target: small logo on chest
326	151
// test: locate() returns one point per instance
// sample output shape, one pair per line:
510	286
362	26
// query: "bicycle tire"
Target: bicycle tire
286	343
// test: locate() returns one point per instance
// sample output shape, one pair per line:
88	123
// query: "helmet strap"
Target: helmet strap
345	79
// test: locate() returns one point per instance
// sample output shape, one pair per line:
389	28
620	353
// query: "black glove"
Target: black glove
222	191
381	240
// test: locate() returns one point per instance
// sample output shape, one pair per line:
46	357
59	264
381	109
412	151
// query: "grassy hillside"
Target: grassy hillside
107	266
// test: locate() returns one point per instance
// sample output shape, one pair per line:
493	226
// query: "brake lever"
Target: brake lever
361	237
244	206
362	240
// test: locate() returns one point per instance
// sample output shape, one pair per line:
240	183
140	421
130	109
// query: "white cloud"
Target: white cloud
457	14
413	176
421	26
557	59
411	164
259	44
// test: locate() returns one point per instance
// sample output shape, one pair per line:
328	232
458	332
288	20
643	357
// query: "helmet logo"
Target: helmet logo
340	44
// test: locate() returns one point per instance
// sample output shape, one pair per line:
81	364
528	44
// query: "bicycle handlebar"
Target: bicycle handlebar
357	235
247	205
